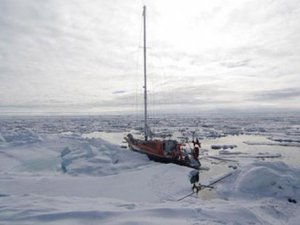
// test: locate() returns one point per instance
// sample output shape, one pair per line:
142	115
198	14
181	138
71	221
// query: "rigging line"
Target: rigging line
153	105
152	94
138	72
159	86
154	87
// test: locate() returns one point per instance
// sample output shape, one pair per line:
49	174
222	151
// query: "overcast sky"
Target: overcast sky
86	55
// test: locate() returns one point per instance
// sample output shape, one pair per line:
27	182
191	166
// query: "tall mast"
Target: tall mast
145	77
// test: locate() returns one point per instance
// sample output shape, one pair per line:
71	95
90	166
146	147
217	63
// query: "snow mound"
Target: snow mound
20	136
265	179
98	157
35	209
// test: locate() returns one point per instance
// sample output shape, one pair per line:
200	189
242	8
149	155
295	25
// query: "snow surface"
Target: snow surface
57	170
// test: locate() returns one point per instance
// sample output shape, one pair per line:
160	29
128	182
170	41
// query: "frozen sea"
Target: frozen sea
76	170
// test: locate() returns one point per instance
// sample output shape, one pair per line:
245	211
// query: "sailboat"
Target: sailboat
160	150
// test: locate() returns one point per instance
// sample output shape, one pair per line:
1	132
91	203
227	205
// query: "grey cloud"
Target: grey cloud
234	64
187	95
119	92
280	94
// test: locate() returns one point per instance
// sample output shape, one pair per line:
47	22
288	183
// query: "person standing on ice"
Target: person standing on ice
196	152
197	145
197	142
194	179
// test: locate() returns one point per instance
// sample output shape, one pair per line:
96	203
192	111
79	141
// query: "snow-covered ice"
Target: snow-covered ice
72	170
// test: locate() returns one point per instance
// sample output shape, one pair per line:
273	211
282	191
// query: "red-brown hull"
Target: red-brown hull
154	149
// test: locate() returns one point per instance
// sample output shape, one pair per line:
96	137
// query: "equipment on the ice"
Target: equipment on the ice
201	186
